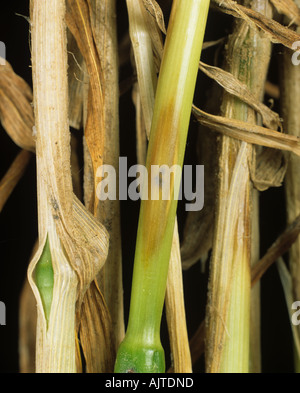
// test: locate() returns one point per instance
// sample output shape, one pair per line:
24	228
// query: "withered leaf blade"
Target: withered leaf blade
274	30
237	88
13	175
78	21
288	8
16	112
175	311
249	133
154	9
95	330
156	36
95	333
268	168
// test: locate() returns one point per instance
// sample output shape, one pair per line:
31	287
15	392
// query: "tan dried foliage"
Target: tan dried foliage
288	8
154	9
78	21
15	108
78	242
237	88
249	133
13	175
276	32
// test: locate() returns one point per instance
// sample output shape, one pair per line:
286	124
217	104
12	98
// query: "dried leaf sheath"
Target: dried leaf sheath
103	22
175	311
88	24
78	244
79	23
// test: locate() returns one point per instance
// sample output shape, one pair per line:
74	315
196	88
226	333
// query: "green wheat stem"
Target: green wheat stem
141	350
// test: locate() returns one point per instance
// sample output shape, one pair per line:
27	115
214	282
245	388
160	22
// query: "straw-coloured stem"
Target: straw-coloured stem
228	312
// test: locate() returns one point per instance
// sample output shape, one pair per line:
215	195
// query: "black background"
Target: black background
18	220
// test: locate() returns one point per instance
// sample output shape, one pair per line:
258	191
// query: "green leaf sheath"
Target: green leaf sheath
141	350
44	278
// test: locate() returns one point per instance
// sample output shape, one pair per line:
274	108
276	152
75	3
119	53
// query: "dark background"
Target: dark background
18	220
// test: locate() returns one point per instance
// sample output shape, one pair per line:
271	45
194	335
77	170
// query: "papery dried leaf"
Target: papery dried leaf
78	21
13	175
197	345
85	242
155	34
288	8
88	178
88	170
15	108
155	10
103	22
144	60
268	168
235	87
248	132
94	332
175	311
274	30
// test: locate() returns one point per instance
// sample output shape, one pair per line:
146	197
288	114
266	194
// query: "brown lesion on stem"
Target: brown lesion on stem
157	211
